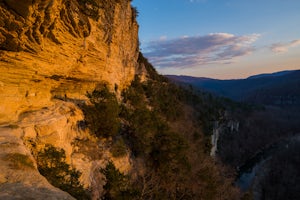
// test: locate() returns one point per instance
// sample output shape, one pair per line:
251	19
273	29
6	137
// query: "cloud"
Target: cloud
162	38
199	50
284	47
193	1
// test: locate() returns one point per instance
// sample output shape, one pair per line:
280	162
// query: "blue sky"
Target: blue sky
220	38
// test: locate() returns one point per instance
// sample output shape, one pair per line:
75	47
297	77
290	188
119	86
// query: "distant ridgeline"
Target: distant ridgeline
279	89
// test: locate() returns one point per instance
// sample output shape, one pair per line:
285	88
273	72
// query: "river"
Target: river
252	167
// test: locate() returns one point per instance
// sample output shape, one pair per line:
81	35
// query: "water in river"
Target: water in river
253	166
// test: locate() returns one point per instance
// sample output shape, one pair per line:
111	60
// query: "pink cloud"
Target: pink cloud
284	47
199	50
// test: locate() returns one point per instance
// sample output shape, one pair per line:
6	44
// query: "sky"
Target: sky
223	39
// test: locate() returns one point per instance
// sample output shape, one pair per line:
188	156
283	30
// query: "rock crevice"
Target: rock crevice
87	42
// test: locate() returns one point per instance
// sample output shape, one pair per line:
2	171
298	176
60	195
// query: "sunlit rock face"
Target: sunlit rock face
56	125
52	52
63	48
19	178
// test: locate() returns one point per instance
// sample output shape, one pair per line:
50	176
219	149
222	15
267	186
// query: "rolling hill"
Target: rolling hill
280	88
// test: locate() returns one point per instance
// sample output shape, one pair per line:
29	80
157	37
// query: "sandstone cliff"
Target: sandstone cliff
21	180
53	50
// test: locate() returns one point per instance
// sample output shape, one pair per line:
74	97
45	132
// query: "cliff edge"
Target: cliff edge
52	52
62	48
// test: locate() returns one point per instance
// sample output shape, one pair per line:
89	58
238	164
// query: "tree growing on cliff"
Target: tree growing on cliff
52	165
117	185
102	116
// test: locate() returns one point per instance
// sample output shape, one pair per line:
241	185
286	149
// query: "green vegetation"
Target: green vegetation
118	186
102	115
19	161
52	165
149	110
119	148
162	125
152	73
135	13
147	129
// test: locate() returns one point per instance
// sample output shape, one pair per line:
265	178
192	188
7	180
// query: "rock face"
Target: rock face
63	48
56	125
19	178
228	126
52	52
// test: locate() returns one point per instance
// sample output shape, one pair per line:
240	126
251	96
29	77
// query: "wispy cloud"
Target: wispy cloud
199	50
284	47
193	1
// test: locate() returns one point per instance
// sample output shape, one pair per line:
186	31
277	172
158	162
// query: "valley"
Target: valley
266	109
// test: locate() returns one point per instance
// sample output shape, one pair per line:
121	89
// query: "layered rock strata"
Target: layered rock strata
52	52
63	48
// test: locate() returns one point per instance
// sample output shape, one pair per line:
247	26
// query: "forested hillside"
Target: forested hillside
166	128
258	130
